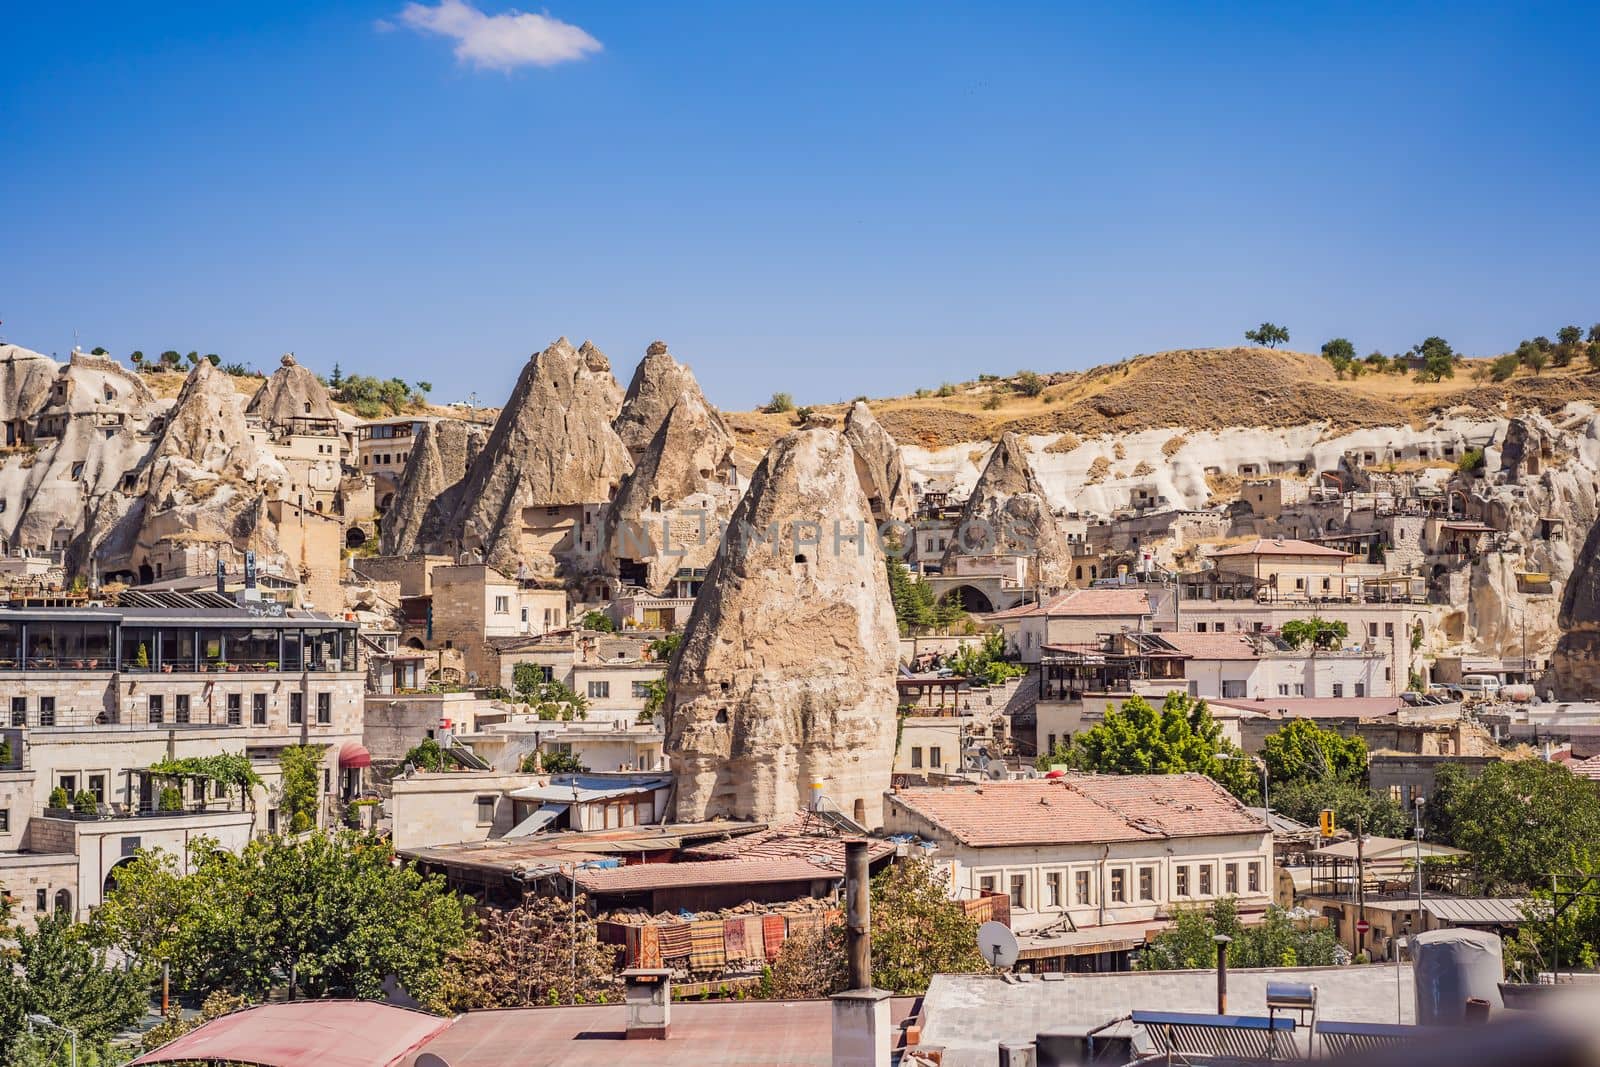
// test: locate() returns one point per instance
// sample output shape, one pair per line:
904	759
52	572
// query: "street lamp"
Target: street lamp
46	1021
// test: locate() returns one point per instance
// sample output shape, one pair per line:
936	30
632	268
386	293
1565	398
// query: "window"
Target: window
1283	689
916	758
1147	883
69	785
5	820
235	709
1372	629
599	690
297	709
1361	689
47	711
1052	889
180	707
1233	687
1182	887
641	690
272	820
1051	746
1300	583
97	788
1205	879
258	709
502	605
1230	879
158	709
1254	876
986	884
1080	886
324	708
1338	689
19	711
934	760
1019	891
485	810
1119	885
1299	689
41	900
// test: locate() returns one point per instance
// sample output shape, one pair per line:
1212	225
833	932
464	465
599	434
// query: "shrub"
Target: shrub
992	402
598	621
1504	366
780	403
1028	383
170	800
1471	462
58	798
803	414
85	803
946	390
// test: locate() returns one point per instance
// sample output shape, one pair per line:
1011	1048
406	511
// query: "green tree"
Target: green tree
1504	366
1520	819
98	351
917	932
1592	354
598	621
779	404
1315	631
56	970
551	699
524	957
655	698
554	762
426	755
331	913
137	359
1268	335
1376	362
1028	383
301	767
1438	360
1352	803
985	661
1278	941
913	600
1568	340
170	359
1471	461
663	648
1301	750
1342	354
1180	738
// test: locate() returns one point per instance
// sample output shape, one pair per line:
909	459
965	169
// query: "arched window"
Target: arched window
64	900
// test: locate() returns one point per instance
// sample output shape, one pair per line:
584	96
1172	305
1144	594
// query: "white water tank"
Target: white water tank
1451	967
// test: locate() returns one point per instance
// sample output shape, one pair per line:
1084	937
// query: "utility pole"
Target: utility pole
1357	942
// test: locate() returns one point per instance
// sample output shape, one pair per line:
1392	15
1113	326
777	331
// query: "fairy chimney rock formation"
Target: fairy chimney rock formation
430	485
659	382
786	675
552	448
292	393
670	509
879	465
1008	515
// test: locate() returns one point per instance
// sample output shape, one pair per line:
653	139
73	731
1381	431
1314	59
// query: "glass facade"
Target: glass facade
46	644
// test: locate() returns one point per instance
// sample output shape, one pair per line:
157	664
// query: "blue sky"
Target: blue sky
823	199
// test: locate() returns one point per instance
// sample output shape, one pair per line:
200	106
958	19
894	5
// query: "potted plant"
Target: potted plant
171	799
58	800
141	659
85	804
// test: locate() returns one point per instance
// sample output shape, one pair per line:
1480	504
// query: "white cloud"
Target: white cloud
499	42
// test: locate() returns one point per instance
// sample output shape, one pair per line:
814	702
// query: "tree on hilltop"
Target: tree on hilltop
1342	354
1438	360
1268	335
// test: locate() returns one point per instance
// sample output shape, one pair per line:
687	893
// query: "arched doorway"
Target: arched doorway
970	598
112	875
64	900
355	537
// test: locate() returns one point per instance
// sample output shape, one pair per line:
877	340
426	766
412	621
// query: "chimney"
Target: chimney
1223	941
861	1027
647	997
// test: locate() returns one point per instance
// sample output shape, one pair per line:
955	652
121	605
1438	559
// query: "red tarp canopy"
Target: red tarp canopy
354	755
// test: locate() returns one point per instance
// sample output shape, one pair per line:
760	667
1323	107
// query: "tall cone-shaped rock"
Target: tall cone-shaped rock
1575	667
292	395
1009	515
786	675
205	480
670	509
659	382
552	447
430	487
879	465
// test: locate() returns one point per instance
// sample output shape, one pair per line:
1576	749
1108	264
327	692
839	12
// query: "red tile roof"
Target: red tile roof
1282	547
798	836
1081	809
1211	646
305	1033
1589	768
1084	603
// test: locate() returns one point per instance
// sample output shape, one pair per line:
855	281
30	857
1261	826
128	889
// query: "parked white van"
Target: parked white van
1480	685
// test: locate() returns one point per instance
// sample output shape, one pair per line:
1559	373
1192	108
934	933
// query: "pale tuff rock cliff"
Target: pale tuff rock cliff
1009	515
671	508
204	480
879	465
1575	667
430	488
786	675
291	395
84	427
659	382
552	447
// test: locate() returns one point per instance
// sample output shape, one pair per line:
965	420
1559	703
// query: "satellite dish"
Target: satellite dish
997	943
997	771
428	1059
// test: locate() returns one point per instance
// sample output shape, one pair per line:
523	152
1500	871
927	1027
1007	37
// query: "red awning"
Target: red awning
354	755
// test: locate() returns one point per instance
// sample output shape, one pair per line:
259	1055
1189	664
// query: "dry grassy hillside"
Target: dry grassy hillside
1201	389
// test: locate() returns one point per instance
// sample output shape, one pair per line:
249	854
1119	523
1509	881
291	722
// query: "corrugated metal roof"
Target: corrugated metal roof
1476	911
305	1033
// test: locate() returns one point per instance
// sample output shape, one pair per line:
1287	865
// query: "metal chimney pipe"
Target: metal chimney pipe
1223	941
858	914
